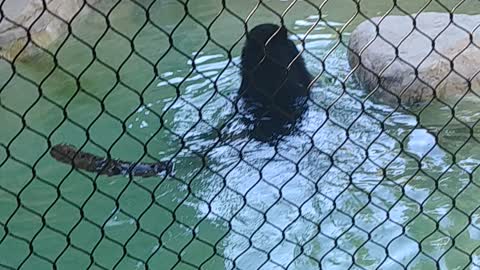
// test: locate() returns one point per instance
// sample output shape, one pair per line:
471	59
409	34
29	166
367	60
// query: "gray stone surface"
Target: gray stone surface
44	27
444	66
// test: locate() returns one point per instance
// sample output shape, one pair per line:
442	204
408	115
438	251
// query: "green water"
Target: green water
386	199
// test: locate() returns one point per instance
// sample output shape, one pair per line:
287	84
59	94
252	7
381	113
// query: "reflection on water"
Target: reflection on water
360	179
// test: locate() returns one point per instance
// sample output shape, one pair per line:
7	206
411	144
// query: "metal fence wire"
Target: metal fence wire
356	163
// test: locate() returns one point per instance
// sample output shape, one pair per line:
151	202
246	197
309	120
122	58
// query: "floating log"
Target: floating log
81	160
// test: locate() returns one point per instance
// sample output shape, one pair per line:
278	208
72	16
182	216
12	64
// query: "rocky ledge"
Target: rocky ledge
45	25
418	57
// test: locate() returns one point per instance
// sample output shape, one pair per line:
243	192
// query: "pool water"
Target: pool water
362	185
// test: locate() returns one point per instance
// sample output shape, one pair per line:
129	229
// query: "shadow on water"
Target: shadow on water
355	179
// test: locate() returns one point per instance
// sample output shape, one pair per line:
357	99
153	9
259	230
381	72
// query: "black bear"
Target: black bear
275	88
275	83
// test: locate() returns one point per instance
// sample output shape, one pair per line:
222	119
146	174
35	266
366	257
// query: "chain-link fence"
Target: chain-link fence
201	135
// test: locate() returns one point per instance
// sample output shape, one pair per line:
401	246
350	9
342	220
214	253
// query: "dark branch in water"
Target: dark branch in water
68	154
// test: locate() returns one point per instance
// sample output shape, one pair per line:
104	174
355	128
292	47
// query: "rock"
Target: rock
436	58
21	16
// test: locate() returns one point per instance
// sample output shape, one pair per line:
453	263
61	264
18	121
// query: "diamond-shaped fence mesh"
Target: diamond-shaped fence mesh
161	168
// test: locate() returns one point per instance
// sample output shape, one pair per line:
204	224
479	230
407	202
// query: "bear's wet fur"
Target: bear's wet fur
275	83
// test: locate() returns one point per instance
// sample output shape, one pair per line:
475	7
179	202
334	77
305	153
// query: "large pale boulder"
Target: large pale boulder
437	55
21	16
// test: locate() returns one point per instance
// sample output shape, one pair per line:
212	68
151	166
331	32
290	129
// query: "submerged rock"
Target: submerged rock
435	56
